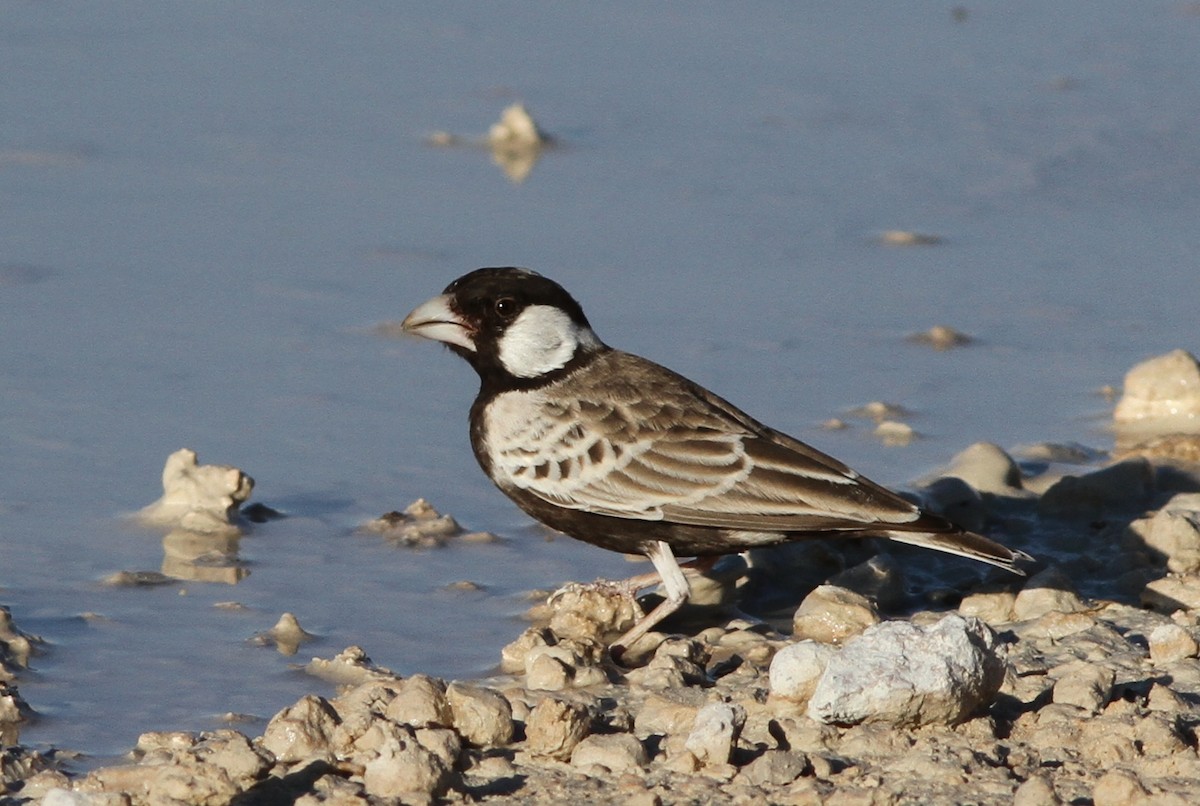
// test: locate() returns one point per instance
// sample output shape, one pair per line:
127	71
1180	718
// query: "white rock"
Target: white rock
906	675
1048	591
198	497
797	667
1163	388
715	731
516	127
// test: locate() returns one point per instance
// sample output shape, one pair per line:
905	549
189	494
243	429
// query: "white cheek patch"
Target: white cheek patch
540	340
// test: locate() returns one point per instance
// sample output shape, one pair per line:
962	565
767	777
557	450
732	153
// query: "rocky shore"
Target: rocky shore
893	681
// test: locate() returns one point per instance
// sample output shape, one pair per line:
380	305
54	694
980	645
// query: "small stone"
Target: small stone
902	674
894	433
302	731
775	768
1046	592
1174	534
421	702
482	716
1118	788
419	525
1084	685
903	237
555	727
350	667
1170	642
287	635
994	607
1171	593
545	672
206	496
599	612
715	732
987	468
1035	791
941	337
1122	486
830	614
796	668
514	655
957	501
404	769
615	752
1166	387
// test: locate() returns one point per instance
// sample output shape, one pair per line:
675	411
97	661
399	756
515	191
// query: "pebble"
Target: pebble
1171	642
404	769
831	615
941	337
986	467
555	727
1035	791
1048	591
302	731
1166	387
1174	533
482	716
200	498
715	732
904	675
796	668
615	752
1084	685
421	702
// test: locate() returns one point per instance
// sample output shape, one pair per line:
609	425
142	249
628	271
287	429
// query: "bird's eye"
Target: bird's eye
506	307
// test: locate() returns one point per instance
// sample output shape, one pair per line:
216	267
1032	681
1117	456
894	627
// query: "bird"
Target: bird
618	451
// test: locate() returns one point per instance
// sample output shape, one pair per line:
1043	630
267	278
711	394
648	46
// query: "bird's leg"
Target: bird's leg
677	588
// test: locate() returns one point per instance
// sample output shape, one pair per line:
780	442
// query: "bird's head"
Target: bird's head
510	324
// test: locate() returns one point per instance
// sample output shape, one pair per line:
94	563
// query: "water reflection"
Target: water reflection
203	556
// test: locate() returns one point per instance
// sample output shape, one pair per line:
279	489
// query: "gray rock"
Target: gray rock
715	732
906	675
986	467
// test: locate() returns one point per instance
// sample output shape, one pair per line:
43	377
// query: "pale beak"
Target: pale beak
435	320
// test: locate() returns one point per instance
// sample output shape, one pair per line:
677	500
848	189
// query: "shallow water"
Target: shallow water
207	208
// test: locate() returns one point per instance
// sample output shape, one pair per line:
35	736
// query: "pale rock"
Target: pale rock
830	614
421	702
514	655
403	769
301	731
554	727
671	713
1171	593
201	498
481	716
994	607
1083	685
350	667
16	646
775	768
1118	788
1170	642
894	433
1048	591
1174	534
516	127
615	752
1166	387
287	635
1125	485
598	612
715	732
796	668
901	674
1035	791
879	578
419	525
986	467
444	743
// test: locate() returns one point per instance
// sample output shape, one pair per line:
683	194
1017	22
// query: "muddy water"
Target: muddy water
208	209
